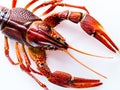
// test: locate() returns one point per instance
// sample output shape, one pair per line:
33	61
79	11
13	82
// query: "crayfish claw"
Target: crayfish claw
66	80
105	39
94	28
84	83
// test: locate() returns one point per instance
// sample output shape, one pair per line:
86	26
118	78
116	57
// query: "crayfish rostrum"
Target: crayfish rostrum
39	35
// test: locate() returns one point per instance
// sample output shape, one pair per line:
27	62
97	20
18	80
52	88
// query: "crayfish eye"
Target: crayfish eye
58	38
52	48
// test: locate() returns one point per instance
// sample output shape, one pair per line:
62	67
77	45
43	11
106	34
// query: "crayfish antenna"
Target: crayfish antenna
85	65
88	53
118	52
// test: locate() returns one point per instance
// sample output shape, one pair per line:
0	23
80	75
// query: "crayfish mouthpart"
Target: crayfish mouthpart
88	53
84	65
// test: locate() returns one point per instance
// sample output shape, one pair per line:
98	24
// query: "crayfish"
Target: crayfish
39	35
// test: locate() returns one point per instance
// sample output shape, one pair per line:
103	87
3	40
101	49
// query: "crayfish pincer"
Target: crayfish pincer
39	35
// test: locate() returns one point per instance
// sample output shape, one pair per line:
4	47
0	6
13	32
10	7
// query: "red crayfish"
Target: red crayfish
39	35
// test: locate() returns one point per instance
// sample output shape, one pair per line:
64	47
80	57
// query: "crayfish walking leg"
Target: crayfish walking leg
26	67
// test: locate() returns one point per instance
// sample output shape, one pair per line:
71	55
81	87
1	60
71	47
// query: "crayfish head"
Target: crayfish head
55	41
41	35
94	28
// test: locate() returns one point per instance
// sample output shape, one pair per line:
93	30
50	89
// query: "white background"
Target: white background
108	14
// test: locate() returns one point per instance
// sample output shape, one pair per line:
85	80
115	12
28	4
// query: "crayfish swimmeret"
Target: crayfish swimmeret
39	35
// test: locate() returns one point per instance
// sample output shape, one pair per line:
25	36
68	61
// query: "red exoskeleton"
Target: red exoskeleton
39	35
